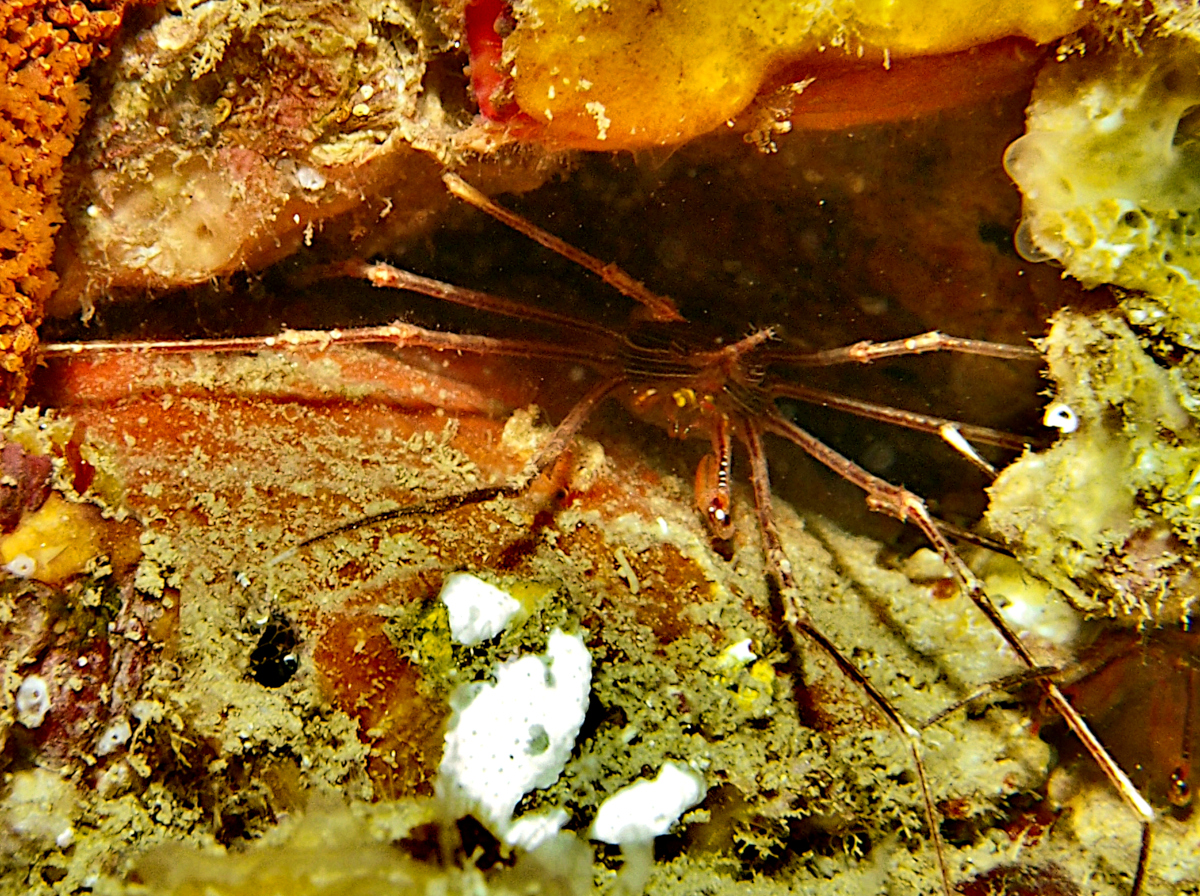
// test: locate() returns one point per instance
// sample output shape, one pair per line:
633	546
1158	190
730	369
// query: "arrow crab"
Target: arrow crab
730	392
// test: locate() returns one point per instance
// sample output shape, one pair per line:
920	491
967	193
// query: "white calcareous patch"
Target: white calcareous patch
33	701
648	809
739	653
1060	416
478	610
532	830
310	178
21	566
115	736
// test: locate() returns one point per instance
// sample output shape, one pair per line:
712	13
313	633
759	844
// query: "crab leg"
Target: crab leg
897	417
908	507
800	623
398	335
866	351
658	307
388	276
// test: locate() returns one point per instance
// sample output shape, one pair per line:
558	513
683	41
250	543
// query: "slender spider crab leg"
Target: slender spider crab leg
385	275
655	306
403	335
398	335
959	436
866	351
907	507
898	417
800	623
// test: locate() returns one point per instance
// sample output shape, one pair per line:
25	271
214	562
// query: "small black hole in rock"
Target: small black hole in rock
52	874
275	660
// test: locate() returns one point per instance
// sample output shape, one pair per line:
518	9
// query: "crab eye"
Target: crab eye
719	519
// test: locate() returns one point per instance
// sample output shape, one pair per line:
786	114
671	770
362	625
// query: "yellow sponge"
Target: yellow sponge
54	542
613	74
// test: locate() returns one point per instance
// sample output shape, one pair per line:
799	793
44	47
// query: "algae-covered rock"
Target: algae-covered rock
1111	514
807	785
227	135
1109	168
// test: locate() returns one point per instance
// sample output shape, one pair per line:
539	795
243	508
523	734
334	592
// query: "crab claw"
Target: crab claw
712	495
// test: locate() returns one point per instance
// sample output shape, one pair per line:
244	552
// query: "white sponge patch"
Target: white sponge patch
478	610
508	738
648	809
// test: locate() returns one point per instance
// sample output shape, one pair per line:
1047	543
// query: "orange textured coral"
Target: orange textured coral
43	48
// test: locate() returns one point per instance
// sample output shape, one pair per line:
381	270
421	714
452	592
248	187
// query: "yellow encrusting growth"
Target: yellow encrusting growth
662	71
1109	170
54	542
1110	515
